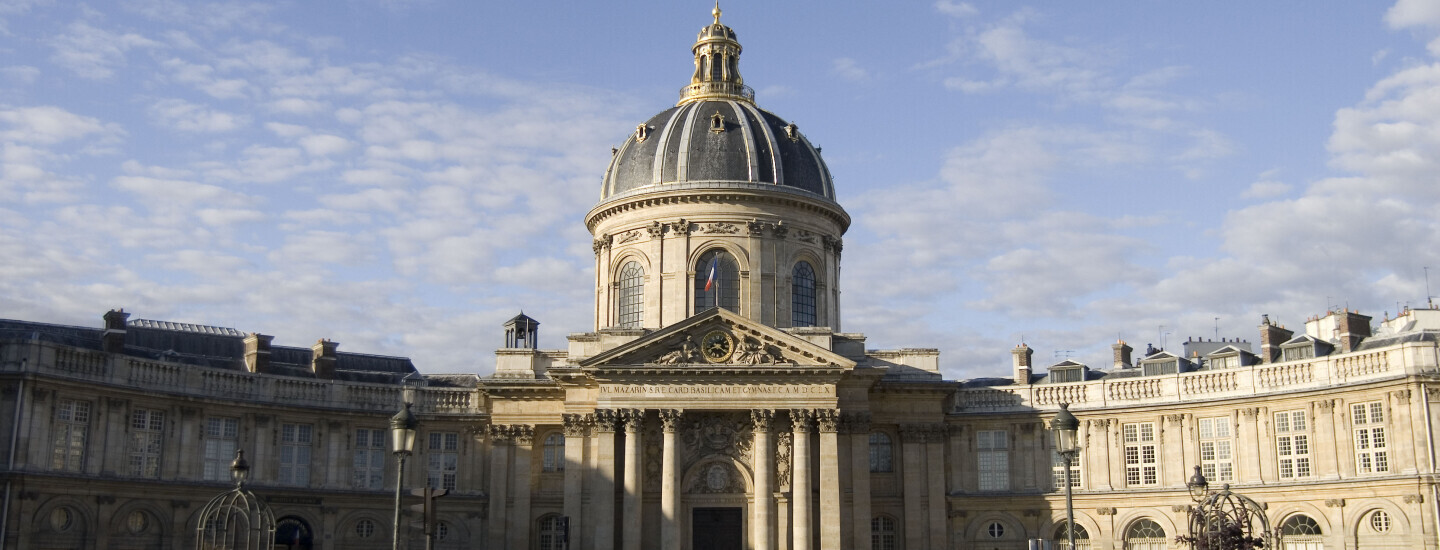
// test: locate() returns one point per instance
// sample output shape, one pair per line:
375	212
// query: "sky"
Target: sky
403	176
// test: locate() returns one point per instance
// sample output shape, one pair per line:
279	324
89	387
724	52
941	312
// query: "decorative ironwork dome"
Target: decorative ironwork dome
236	519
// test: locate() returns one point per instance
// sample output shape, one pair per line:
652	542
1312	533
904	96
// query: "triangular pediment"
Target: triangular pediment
719	338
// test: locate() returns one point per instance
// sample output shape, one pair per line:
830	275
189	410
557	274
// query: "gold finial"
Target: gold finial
716	12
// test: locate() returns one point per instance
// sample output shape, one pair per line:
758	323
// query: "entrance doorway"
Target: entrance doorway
716	529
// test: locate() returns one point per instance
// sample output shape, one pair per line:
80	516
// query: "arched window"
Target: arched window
1145	534
1062	537
1300	532
717	281
554	455
882	533
630	296
880	452
550	535
802	295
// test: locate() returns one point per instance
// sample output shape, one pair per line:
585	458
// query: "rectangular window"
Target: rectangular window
1059	469
147	434
1298	353
444	452
369	464
221	439
1141	462
1227	362
1216	460
1371	446
1160	367
1064	375
72	425
993	460
295	440
1292	444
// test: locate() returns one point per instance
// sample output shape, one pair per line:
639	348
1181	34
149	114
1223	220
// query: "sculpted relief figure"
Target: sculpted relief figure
688	353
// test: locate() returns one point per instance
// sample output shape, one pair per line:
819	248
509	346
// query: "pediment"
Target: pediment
719	338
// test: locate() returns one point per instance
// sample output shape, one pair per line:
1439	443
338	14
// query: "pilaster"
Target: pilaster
576	428
828	422
500	443
603	500
519	522
858	426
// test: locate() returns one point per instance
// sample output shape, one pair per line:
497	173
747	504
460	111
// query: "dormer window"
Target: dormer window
1298	353
1067	374
1227	362
1153	368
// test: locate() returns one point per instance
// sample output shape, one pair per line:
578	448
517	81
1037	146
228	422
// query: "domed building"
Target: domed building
717	405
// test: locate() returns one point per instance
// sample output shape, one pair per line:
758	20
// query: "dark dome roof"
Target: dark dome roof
717	143
716	138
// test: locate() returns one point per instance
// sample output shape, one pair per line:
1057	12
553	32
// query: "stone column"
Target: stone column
1249	452
859	427
828	420
630	526
576	425
1323	447
800	481
912	470
935	467
763	510
1400	415
499	481
669	485
603	499
519	524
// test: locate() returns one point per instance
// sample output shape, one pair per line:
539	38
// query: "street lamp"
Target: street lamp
402	440
1224	519
239	469
1067	443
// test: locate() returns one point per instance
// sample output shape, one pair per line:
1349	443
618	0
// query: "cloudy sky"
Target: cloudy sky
402	177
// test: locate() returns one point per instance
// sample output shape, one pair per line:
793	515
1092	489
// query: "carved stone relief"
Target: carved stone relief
627	236
653	459
687	352
715	478
783	451
709	434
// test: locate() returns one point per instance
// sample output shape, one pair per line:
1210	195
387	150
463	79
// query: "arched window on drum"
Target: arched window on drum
717	281
630	296
802	295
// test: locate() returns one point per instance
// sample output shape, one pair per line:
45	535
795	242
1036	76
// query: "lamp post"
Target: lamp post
1066	428
1224	519
402	440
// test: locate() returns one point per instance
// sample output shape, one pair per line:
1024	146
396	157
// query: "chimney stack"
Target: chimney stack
1354	327
1022	354
1122	354
322	359
257	352
1271	336
113	339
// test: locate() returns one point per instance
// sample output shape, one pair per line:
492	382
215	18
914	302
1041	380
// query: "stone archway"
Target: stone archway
715	504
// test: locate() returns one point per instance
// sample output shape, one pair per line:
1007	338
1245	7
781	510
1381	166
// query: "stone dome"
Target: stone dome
716	138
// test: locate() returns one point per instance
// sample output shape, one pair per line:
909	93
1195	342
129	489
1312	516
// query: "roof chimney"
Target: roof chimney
1122	354
113	339
1271	336
257	352
1353	328
1022	355
322	358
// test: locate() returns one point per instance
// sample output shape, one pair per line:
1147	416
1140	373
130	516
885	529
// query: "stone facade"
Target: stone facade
691	418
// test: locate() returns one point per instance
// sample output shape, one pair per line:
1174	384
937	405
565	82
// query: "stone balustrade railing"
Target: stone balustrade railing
49	359
1319	372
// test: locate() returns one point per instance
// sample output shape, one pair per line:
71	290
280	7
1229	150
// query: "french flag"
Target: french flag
714	268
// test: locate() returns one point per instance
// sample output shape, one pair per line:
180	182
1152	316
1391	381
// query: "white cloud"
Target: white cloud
325	145
849	69
47	125
190	117
21	74
95	53
956	9
1413	13
1266	189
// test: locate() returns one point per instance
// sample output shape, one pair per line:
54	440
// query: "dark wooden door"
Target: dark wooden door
716	529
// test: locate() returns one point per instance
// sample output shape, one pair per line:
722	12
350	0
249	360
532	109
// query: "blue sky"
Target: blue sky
402	177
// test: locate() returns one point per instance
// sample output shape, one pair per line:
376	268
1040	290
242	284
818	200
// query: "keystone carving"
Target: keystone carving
1414	499
628	236
1334	503
1110	511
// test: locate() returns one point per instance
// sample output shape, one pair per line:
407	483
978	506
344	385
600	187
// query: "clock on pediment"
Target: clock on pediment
717	346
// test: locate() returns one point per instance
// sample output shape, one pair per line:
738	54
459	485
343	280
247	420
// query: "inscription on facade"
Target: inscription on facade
727	389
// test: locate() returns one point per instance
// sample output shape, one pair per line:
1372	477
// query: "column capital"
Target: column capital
670	419
632	418
855	423
577	425
523	434
914	433
606	420
500	434
762	418
802	419
829	420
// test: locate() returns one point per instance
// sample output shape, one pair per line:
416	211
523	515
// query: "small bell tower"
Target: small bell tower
522	332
